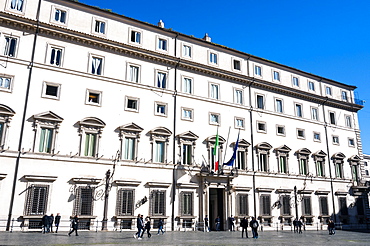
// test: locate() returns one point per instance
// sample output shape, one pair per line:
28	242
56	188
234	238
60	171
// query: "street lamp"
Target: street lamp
106	196
295	202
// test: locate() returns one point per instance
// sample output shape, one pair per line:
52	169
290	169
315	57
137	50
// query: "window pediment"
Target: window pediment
354	158
264	146
92	121
339	156
48	116
5	110
243	143
319	153
283	148
163	131
303	151
131	127
212	139
189	135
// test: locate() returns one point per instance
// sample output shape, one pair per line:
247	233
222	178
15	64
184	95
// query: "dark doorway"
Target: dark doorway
216	207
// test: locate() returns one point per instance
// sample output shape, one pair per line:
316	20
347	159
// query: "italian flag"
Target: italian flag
215	152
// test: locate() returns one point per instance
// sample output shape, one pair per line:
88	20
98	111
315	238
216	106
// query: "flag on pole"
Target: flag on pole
232	160
215	152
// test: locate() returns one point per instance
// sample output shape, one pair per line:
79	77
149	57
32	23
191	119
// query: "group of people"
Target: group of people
47	223
144	226
297	225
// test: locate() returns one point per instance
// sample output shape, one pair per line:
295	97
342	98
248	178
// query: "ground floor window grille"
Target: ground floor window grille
158	202
265	201
37	197
84	201
306	206
125	202
242	201
286	205
187	203
324	205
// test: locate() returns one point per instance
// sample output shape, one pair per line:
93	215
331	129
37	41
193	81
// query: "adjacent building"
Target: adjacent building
108	117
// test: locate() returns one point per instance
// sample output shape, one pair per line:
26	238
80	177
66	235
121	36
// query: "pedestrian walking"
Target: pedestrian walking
331	227
45	224
147	227
254	225
160	226
140	227
299	225
74	225
295	225
206	224
218	223
51	221
231	223
56	222
244	225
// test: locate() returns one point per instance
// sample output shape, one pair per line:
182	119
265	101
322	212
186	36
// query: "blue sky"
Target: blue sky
327	38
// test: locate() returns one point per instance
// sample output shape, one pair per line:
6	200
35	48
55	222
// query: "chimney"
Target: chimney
161	24
207	38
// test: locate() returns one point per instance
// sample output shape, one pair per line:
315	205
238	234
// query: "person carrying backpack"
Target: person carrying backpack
254	225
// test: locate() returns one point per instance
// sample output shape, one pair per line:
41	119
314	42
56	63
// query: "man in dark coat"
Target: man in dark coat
45	223
57	222
254	225
51	221
244	226
74	225
140	226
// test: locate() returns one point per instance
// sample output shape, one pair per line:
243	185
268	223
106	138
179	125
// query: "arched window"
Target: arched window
303	157
319	158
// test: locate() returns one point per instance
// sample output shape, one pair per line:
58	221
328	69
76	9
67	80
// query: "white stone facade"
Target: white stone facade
107	92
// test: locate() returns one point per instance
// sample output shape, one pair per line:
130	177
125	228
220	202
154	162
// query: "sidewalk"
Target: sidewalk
186	238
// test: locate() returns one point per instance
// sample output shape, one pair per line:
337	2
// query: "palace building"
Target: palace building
106	117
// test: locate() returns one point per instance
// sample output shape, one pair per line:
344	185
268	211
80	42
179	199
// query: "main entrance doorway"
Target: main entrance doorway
216	207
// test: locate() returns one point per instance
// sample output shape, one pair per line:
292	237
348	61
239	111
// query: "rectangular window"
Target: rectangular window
301	134
320	168
283	168
276	76
214	119
295	81
135	37
298	110
316	136
130	149
37	198
351	142
258	71
306	206
161	80
187	85
314	114
125	202
214	93
242	204
213	58
10	47
236	65
186	203
99	27
344	96
263	162
332	118
96	65
132	104
90	144
16	5
303	168
239	123
1	132
186	51
241	160
187	154
84	201
343	209
324	208
5	83
279	105
94	97
261	127
162	44
280	130
56	56
339	170
260	102
265	201
335	140
238	96
328	90
159	152
133	73
286	205
60	16
46	140
187	114
311	86
348	120
160	109
158	202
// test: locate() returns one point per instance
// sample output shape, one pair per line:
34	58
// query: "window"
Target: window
56	55
311	86
263	163
159	141
324	208
132	104
187	154
301	134
263	153
332	118
93	97
16	5
187	114
238	96
84	201
239	123
285	201
348	120
158	202
258	71
338	160
90	144
161	80
261	127
51	90
159	152
6	115
2	131
242	203
130	151
37	199
298	110
60	16
214	119
260	102
343	209
96	65
306	206
133	73
46	138
319	158
351	142
335	140
314	113
241	154
129	137
276	76
265	201
355	173
316	137
214	91
90	129
187	145
135	37
99	27
162	44
160	108
303	167
213	58
295	81
280	130
186	51
328	90
186	203
5	83
187	85
10	46
279	105
125	202
236	65
303	157
344	96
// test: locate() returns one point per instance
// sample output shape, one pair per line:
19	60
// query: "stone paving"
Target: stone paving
187	238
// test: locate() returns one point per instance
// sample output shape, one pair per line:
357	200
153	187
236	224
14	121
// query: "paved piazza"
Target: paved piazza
186	238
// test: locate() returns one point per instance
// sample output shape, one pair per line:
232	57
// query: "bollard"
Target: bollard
97	222
11	227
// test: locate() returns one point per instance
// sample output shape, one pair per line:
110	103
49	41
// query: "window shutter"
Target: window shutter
324	206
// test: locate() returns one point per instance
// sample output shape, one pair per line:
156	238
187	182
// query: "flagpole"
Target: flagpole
227	141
